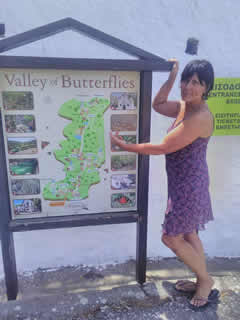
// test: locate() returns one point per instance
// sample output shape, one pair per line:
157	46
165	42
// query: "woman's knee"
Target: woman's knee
171	242
190	237
165	239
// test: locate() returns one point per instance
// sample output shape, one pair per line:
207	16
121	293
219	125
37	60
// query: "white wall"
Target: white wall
161	27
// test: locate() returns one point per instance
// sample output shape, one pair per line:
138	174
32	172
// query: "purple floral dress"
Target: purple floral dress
189	204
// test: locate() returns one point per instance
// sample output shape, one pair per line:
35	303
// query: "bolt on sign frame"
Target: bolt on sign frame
144	64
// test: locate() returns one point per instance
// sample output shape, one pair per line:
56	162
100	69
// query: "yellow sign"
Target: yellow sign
224	103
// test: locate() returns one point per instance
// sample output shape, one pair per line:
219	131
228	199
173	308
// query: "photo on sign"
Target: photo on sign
124	122
22	145
123	162
123	200
126	138
19	167
25	187
123	181
27	206
123	101
20	123
16	100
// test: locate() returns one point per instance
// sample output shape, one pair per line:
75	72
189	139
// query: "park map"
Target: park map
83	151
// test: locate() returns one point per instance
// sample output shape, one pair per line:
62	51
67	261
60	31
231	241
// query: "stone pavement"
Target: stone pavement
81	293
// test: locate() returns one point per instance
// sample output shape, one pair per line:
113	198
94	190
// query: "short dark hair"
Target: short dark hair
204	71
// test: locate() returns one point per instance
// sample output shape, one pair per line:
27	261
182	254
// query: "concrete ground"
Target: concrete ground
80	292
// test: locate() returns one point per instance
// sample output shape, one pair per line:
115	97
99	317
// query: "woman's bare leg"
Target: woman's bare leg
196	243
195	261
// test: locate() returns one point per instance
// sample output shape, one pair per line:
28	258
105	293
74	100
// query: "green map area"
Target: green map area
83	152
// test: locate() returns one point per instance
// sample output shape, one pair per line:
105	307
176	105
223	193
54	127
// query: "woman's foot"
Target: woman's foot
204	288
185	286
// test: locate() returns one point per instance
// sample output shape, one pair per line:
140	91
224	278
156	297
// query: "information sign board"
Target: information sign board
56	126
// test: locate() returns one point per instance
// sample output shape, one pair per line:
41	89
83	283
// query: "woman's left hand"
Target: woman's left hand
116	139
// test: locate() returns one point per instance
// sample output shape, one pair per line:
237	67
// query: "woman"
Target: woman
189	204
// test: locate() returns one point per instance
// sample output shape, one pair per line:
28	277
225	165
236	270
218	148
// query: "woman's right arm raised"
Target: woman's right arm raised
160	102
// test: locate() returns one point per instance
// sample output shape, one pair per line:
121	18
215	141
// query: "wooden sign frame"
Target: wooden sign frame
145	64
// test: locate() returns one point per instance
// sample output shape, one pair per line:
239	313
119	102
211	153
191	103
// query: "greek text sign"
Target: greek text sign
224	103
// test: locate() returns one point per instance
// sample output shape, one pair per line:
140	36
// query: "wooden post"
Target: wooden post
143	174
9	263
7	242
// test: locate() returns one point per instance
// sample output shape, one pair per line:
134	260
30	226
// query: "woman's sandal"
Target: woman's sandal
185	286
212	298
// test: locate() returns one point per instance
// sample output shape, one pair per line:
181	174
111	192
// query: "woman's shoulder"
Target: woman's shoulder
205	118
